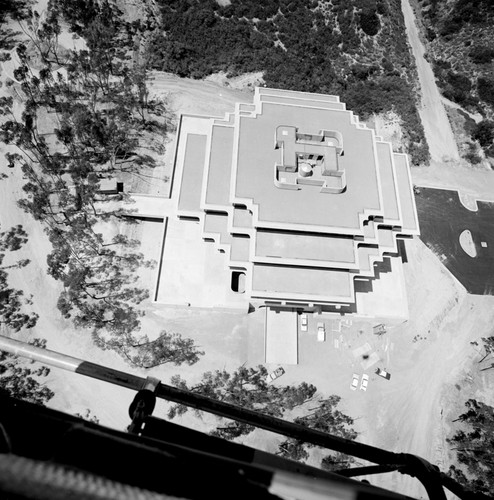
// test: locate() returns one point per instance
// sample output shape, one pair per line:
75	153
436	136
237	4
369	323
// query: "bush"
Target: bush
419	153
485	88
472	155
362	72
450	28
369	22
484	133
459	81
481	54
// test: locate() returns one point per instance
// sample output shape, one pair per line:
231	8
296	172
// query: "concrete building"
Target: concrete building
289	202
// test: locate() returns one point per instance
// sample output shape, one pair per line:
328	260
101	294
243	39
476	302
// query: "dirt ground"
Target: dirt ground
428	356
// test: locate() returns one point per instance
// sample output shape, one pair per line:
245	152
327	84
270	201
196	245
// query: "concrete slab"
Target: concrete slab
240	249
307	282
388	298
153	207
407	202
371	361
304	246
195	275
220	166
192	173
362	350
281	337
388	181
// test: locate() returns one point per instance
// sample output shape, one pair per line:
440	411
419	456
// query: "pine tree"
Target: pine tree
247	388
22	382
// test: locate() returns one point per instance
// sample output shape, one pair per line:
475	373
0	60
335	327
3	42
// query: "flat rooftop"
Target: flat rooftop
306	206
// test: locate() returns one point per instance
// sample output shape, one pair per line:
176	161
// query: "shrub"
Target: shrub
485	88
481	54
473	158
450	28
459	81
484	133
369	22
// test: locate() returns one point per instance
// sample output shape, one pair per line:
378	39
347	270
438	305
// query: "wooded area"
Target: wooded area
461	50
248	388
473	447
87	117
355	49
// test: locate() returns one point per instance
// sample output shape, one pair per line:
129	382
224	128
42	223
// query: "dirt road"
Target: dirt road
186	95
438	131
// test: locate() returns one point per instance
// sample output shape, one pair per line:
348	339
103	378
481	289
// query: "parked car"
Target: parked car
304	323
383	373
379	329
365	381
354	385
321	332
274	375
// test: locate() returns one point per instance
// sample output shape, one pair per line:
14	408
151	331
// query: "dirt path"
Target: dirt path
438	131
476	117
195	96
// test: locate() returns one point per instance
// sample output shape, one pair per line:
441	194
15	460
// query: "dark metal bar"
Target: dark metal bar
200	402
279	426
364	471
415	466
162	461
71	364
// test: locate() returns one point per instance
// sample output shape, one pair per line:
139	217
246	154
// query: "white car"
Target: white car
274	375
321	332
304	323
354	382
383	373
365	381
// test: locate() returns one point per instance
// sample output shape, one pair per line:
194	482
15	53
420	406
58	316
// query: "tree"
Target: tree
473	447
293	449
167	348
232	430
23	382
13	9
87	415
481	54
337	461
488	346
484	133
324	418
369	21
12	301
485	88
247	388
103	124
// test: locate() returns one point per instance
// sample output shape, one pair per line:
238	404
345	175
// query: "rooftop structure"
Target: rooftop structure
302	200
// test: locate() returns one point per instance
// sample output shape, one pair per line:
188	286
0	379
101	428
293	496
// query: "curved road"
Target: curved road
438	131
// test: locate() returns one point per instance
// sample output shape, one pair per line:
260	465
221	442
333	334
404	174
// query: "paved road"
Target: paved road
438	131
